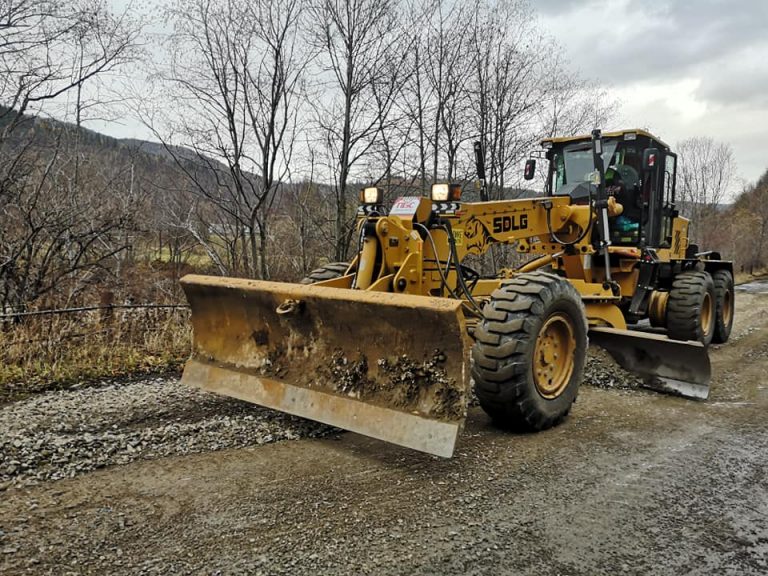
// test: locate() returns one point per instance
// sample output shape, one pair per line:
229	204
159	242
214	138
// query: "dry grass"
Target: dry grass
60	350
744	277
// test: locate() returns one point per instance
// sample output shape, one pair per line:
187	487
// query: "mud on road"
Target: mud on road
632	483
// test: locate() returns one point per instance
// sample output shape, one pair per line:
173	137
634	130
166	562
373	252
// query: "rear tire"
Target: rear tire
528	358
691	307
328	272
724	308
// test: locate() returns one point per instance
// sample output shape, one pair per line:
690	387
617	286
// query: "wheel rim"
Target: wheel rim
706	315
727	308
553	356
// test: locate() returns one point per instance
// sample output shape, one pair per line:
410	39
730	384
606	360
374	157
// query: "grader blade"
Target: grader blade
668	366
390	366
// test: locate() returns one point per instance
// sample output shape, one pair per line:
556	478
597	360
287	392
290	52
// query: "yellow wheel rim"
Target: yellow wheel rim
727	308
553	361
707	315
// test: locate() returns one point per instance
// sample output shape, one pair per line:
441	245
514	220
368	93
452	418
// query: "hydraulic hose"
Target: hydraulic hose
473	309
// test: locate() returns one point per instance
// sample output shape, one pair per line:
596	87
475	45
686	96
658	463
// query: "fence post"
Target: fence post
107	311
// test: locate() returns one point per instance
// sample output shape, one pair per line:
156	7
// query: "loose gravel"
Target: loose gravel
62	433
601	371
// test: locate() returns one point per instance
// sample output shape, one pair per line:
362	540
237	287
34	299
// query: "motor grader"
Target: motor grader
389	344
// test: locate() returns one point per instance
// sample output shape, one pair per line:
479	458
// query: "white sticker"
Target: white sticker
405	206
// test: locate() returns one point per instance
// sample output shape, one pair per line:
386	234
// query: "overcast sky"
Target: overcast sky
678	67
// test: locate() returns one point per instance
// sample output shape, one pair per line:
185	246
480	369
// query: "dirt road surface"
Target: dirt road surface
632	483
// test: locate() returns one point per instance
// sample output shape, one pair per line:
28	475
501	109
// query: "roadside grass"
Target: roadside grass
60	351
196	258
744	277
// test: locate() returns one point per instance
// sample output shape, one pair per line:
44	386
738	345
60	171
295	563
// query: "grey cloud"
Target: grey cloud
721	44
740	84
682	36
556	7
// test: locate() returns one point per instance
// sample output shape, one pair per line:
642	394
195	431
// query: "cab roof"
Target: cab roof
617	134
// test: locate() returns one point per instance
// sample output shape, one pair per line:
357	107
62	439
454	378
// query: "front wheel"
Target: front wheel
528	358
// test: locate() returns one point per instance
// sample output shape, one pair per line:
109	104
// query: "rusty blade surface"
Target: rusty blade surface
668	366
389	366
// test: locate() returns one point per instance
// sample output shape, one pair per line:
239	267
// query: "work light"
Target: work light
446	192
371	195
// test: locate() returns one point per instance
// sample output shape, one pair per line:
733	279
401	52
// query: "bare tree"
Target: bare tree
749	222
504	82
54	233
510	86
59	236
235	79
448	67
395	96
705	173
50	47
360	43
416	96
571	105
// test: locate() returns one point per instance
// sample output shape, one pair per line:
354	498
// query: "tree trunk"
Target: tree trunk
263	264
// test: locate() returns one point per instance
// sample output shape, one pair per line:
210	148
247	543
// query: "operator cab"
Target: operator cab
646	193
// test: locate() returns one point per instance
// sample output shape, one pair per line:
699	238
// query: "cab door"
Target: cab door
668	211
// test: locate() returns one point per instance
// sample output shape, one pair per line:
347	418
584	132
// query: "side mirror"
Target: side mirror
650	159
530	169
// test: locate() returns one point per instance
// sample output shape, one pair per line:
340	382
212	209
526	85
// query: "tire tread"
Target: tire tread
501	353
684	305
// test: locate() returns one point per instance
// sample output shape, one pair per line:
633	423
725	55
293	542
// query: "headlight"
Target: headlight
446	192
371	195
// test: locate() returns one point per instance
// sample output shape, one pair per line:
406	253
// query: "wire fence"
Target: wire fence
113	336
110	307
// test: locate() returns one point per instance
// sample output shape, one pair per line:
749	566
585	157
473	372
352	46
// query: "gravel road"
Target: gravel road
632	483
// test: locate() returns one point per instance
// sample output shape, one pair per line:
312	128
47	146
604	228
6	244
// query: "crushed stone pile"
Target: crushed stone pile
601	371
62	433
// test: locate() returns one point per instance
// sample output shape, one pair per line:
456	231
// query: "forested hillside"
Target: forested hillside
82	213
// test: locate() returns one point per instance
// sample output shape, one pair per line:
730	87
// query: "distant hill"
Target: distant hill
158	149
150	161
45	131
155	163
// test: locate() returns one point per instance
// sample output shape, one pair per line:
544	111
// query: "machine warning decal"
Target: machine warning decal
458	237
446	207
369	209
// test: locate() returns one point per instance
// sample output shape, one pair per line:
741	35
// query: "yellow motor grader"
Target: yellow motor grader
389	344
